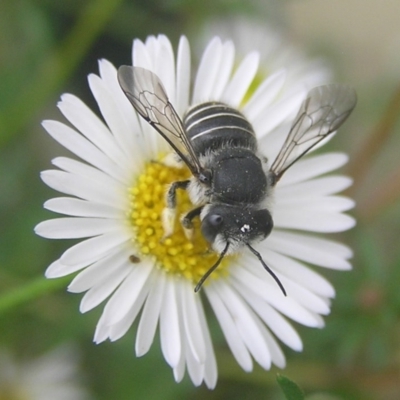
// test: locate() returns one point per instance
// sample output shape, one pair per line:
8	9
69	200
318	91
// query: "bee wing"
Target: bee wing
321	113
146	92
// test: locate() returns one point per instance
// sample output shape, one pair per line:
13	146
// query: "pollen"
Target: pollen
175	254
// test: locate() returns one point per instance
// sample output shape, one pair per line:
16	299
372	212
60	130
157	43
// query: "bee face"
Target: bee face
238	226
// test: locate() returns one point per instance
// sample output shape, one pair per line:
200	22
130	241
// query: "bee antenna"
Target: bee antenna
212	269
268	269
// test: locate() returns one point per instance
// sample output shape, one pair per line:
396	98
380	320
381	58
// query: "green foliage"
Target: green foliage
289	388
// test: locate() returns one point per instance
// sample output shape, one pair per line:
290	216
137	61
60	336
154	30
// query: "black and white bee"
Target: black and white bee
231	182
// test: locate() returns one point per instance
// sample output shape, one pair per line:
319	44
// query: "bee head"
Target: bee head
228	228
238	226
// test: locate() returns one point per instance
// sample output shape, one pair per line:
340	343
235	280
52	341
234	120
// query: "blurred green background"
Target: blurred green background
49	47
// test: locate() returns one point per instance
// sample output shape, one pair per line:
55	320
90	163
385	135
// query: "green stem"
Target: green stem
57	67
30	291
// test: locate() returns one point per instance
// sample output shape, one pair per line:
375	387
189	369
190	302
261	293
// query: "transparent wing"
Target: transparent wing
145	91
321	113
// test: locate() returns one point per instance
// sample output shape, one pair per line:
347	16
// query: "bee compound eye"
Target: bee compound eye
211	226
205	177
215	219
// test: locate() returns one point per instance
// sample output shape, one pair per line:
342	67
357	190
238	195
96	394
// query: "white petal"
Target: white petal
304	191
191	322
229	329
182	76
157	56
152	46
140	55
147	56
195	369
127	294
268	290
80	115
121	327
277	356
311	205
102	331
264	95
83	148
84	188
82	208
313	166
134	135
171	342
151	312
318	221
299	273
321	252
246	325
179	370
91	250
277	113
57	269
74	228
305	297
86	171
112	113
270	144
274	321
99	292
241	80
207	71
224	69
101	270
164	66
210	367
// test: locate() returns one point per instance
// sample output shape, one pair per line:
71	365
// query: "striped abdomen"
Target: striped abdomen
212	125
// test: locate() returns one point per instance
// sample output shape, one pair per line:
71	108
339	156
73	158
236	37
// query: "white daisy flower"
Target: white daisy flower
116	195
54	376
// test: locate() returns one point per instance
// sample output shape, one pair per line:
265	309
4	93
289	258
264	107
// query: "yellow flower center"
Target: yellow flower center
176	253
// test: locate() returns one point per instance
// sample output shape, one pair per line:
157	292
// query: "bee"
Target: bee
231	182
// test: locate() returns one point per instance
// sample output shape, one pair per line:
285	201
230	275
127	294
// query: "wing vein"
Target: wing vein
146	93
321	113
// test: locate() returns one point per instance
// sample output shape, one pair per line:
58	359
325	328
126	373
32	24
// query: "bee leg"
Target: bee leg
169	212
187	221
